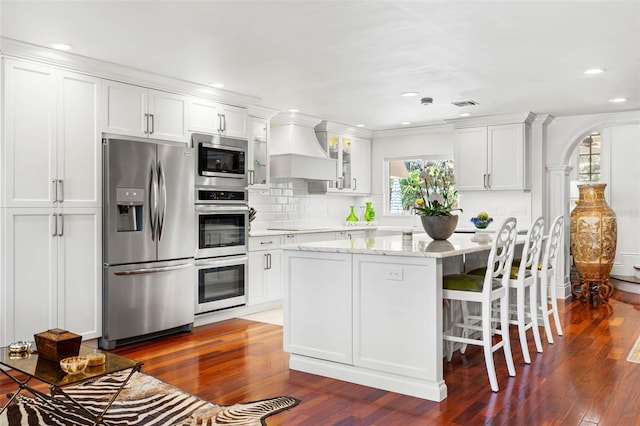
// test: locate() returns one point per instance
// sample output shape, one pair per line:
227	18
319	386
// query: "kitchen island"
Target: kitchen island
369	310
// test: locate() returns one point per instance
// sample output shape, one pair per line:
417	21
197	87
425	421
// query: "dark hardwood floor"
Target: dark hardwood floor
582	379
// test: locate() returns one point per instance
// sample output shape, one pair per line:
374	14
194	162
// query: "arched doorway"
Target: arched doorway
559	171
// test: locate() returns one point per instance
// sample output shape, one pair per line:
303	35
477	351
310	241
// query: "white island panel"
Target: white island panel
318	305
397	310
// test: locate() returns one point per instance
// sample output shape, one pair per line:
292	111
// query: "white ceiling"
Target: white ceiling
348	61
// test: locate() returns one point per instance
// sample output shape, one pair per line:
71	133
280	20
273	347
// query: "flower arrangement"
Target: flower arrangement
436	193
482	220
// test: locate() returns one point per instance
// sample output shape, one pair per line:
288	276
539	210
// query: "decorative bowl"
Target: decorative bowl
74	364
95	359
481	223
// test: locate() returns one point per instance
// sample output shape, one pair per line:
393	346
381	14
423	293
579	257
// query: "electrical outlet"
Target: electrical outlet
393	274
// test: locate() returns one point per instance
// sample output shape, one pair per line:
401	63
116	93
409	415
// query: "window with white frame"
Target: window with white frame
589	158
403	177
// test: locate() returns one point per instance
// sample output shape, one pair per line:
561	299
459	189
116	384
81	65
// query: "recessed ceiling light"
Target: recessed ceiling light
217	85
404	123
594	71
409	94
293	110
359	125
617	100
465	114
62	46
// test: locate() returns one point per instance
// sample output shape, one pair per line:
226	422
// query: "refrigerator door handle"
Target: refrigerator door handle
162	184
153	200
143	271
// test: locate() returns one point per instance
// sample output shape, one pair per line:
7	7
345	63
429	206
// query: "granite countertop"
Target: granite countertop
294	230
421	245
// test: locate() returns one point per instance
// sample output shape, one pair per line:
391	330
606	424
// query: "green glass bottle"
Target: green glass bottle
369	212
352	216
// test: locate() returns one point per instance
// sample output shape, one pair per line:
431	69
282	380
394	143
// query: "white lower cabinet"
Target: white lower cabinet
265	284
52	272
264	276
318	308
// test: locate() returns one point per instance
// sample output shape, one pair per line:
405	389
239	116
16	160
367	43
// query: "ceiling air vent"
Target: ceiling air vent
465	103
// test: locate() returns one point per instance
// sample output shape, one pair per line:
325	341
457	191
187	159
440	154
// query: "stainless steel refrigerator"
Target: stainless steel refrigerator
149	240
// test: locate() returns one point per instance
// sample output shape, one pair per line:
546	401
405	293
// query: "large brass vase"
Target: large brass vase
594	235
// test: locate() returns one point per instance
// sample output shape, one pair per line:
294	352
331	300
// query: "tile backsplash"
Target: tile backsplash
288	204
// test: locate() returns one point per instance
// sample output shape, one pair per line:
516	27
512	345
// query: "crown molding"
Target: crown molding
262	112
412	131
332	127
492	120
111	71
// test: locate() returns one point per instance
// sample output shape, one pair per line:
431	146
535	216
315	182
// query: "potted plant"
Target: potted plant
437	199
482	220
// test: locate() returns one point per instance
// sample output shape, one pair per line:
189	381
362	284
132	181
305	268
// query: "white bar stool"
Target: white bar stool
484	290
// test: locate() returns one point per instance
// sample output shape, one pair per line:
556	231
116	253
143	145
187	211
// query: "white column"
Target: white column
538	161
558	204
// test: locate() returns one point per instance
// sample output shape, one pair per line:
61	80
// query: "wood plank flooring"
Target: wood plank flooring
582	379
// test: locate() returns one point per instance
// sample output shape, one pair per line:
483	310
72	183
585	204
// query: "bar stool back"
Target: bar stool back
484	290
526	278
548	283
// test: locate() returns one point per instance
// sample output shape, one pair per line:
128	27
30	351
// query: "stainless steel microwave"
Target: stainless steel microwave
220	161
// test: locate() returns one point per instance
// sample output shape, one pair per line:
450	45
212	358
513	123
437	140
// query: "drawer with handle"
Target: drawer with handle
265	242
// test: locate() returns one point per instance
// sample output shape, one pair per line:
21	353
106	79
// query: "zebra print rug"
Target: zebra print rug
145	400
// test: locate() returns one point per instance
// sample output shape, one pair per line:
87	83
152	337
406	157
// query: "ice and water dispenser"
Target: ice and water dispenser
129	203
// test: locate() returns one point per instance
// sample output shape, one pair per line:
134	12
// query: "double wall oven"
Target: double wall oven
222	222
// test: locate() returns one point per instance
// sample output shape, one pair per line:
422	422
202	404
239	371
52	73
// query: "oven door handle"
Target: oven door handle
222	146
143	271
208	208
222	262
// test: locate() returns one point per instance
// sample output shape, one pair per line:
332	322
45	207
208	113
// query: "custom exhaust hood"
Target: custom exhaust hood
294	150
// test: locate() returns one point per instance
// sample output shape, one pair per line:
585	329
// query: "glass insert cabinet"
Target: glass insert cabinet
351	148
259	161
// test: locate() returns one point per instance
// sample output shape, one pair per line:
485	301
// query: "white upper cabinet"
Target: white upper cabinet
361	166
258	153
495	157
137	111
210	117
51	143
353	155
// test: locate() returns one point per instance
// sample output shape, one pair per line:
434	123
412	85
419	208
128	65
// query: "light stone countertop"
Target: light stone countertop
294	230
420	246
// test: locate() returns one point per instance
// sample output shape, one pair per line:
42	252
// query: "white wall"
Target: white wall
623	175
438	140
